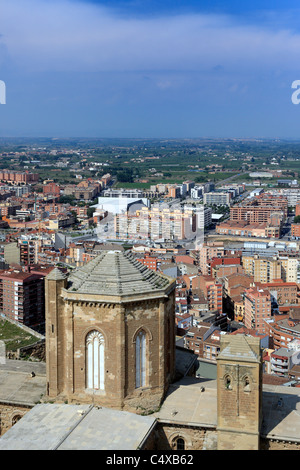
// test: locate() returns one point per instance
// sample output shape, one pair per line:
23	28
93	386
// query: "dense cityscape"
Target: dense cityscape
229	246
149	228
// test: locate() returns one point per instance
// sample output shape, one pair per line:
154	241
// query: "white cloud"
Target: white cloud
62	35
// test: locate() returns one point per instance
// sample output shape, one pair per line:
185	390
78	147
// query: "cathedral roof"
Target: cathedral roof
116	273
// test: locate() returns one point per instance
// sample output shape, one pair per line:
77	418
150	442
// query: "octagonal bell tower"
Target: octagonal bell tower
110	334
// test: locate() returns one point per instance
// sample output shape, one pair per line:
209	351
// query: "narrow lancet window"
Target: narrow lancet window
140	360
95	360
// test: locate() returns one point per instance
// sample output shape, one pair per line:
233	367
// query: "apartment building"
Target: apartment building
196	192
291	194
234	285
51	189
289	268
18	177
62	221
203	215
238	308
150	262
263	269
257	308
212	290
174	191
281	361
207	252
220	271
189	185
217	198
28	251
241	228
295	230
22	252
268	268
156	223
260	208
204	340
283	330
9	208
22	297
283	293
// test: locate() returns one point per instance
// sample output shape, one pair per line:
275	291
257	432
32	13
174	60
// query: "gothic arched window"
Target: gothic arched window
95	360
140	360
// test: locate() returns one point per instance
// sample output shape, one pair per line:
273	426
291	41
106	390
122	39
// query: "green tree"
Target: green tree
90	212
125	176
67	199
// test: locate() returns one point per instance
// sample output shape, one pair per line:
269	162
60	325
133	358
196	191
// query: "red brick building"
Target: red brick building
212	290
295	230
52	189
149	261
285	293
18	176
257	308
259	208
22	297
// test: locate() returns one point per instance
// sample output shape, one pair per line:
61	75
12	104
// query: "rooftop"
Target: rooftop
239	347
190	401
116	273
77	427
193	401
17	385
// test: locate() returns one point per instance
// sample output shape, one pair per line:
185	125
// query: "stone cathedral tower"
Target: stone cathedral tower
110	334
239	389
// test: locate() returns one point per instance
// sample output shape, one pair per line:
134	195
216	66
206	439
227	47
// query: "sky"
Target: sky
149	68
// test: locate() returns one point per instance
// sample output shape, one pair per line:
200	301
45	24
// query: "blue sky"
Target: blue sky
149	68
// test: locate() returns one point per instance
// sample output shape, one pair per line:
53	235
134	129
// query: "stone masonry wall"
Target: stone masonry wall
9	415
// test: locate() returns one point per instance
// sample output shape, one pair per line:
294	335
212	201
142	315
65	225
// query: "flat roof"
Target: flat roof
18	386
77	427
186	404
189	402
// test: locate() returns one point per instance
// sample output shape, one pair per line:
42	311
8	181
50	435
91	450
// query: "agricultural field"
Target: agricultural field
140	163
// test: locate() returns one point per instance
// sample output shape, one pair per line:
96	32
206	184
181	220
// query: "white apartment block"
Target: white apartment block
292	194
197	192
216	198
156	223
203	215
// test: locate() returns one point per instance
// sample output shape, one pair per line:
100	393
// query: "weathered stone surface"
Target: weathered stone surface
117	297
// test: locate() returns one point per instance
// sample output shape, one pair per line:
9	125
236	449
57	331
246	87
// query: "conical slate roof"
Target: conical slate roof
116	273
